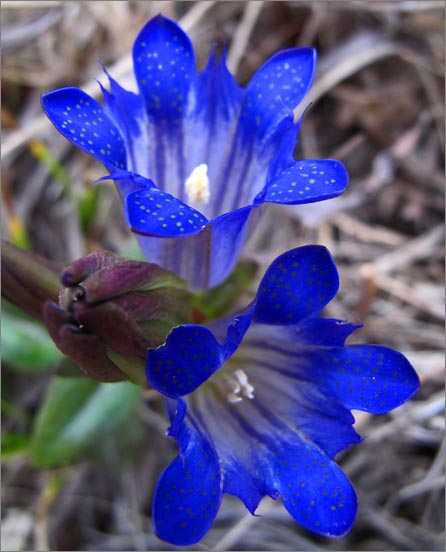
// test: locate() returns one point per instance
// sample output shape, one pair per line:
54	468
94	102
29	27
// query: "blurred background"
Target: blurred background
377	105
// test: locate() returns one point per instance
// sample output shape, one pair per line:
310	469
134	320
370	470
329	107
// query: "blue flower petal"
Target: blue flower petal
330	434
192	354
322	332
307	181
124	107
83	121
153	212
217	93
188	494
127	111
363	377
314	490
229	232
276	366
206	258
285	148
164	66
240	457
276	89
244	481
300	282
214	105
261	453
297	285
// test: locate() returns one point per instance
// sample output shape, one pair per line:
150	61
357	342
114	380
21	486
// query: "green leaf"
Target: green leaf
26	344
76	412
14	444
13	412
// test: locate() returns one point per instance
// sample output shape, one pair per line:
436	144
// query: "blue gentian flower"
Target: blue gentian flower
194	154
260	404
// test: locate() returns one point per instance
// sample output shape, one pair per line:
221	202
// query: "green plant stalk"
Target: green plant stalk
28	280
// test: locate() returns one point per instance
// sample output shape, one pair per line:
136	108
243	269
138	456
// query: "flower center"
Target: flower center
240	387
197	185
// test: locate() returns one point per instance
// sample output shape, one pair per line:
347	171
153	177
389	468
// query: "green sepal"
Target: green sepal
219	301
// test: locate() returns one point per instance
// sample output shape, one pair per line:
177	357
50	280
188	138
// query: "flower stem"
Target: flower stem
28	280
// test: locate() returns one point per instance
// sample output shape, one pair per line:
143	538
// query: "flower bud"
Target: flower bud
107	314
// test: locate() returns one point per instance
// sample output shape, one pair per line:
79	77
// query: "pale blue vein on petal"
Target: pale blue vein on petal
279	369
214	105
164	67
242	464
275	460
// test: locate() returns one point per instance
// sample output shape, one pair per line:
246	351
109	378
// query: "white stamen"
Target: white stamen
197	185
240	384
233	398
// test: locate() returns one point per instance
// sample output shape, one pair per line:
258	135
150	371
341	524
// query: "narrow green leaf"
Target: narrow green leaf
57	171
76	412
26	344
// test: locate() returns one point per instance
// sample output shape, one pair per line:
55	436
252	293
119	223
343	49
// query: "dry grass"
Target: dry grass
378	107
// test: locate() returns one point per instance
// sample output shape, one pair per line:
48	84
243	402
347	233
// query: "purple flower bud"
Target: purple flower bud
105	313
